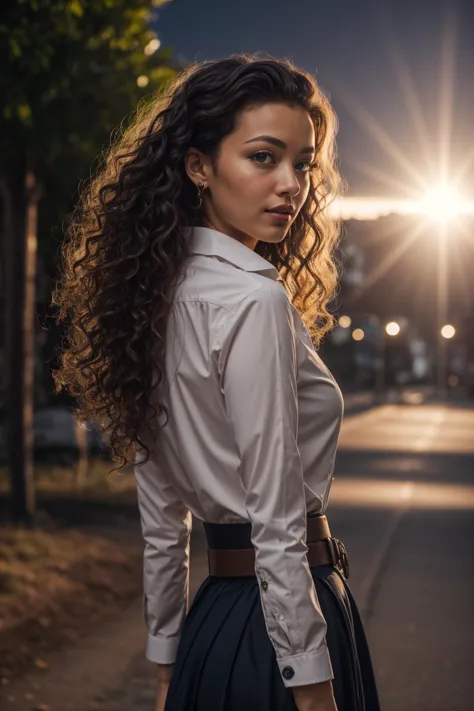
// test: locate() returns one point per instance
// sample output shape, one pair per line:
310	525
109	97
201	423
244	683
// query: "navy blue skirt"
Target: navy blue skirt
226	662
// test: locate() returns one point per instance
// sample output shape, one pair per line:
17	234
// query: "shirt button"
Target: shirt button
288	673
264	585
281	617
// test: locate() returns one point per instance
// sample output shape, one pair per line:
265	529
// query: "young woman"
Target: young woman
197	271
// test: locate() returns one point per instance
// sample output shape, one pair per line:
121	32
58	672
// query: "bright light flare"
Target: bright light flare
443	203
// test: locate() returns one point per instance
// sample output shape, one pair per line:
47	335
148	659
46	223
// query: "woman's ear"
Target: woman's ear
196	166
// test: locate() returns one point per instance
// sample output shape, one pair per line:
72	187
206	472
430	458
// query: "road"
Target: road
403	502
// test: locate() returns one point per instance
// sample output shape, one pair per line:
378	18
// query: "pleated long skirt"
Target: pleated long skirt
226	662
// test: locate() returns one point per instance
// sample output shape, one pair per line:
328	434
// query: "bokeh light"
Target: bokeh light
152	46
392	328
358	334
345	321
448	331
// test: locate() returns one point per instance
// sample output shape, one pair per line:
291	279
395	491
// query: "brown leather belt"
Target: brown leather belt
322	550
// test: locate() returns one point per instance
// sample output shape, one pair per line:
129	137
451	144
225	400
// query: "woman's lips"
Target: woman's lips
284	217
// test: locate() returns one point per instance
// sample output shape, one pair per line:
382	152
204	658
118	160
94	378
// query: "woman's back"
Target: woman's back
196	451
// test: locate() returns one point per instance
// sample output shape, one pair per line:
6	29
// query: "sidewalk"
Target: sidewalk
358	401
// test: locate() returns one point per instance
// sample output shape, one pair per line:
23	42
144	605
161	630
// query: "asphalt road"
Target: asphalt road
402	502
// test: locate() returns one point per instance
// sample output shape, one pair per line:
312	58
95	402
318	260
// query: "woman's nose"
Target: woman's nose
289	182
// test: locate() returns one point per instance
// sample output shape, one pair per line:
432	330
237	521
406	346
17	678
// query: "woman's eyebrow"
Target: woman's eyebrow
280	144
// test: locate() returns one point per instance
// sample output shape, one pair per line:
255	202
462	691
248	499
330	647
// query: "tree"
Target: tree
70	72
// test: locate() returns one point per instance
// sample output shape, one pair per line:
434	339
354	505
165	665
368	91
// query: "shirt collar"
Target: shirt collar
217	244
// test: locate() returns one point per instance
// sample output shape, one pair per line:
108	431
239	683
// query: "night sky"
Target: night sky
381	59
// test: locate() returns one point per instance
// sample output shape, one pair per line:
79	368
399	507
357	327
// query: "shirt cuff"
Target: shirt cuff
306	668
162	650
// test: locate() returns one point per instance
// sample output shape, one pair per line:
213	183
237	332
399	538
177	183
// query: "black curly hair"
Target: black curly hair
125	245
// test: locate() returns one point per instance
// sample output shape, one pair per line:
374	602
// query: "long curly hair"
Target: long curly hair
126	242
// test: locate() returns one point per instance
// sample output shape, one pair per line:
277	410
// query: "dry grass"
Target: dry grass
55	586
57	583
50	477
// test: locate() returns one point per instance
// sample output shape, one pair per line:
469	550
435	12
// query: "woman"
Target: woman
198	271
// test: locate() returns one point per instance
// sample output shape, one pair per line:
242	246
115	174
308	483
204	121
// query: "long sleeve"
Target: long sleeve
166	527
258	376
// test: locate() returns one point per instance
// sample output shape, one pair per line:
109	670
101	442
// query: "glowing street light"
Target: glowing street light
344	321
445	333
448	331
392	328
358	334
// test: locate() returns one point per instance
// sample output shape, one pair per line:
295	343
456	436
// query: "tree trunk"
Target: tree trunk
20	201
82	464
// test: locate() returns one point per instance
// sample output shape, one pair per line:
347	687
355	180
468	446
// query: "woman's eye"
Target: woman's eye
261	153
261	156
307	166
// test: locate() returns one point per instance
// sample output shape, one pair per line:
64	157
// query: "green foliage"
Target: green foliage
69	77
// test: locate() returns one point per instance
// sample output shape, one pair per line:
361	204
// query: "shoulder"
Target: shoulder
263	312
216	281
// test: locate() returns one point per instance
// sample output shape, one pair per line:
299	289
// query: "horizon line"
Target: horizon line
371	208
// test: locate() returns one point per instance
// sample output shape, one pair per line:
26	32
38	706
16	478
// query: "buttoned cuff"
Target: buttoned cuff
161	650
306	668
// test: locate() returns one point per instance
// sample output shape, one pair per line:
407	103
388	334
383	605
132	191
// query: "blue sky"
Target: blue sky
386	64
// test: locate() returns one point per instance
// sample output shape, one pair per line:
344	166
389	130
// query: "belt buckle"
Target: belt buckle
339	556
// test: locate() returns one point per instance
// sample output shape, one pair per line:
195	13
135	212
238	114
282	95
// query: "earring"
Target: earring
200	192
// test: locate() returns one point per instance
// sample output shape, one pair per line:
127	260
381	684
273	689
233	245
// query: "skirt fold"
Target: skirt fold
226	662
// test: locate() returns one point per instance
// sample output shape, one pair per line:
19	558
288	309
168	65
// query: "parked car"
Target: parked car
54	436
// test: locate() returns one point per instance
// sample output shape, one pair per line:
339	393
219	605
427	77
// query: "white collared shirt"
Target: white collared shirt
252	436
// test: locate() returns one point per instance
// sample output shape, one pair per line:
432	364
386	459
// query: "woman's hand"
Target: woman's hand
314	697
163	675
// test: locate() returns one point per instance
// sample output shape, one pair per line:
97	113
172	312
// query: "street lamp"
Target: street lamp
391	329
448	331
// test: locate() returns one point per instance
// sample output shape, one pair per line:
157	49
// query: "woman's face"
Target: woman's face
262	164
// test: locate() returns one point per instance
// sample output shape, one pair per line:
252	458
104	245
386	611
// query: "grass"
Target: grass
55	586
50	478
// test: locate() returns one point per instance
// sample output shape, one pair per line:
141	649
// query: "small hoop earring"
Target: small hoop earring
200	192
